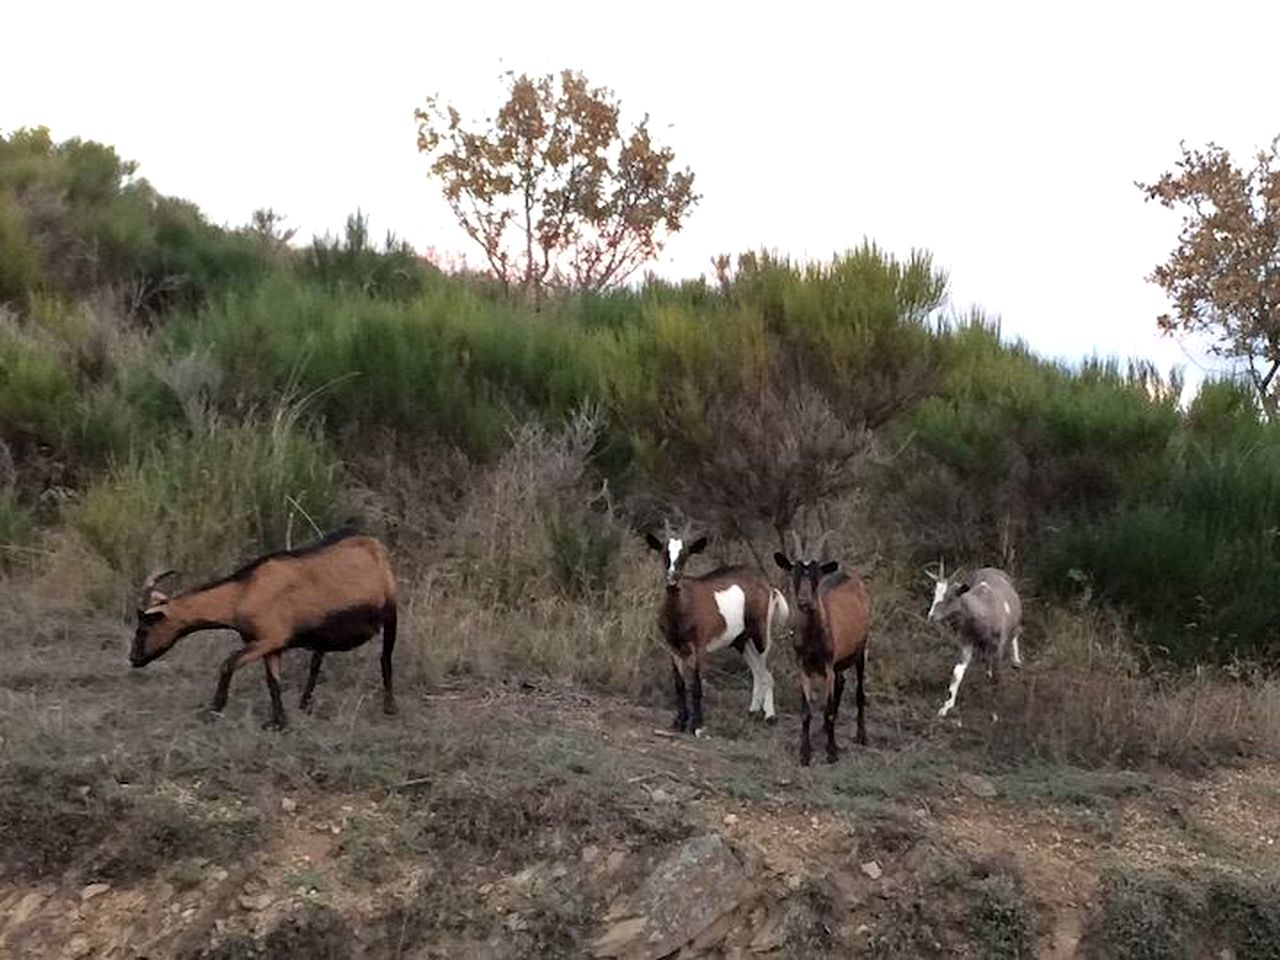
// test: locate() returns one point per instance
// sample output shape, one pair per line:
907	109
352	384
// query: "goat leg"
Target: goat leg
253	650
388	645
860	695
304	703
681	721
806	749
696	696
271	664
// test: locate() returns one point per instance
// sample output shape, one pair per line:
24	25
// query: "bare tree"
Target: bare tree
776	455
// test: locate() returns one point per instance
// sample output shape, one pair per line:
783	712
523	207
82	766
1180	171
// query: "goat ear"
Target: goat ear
653	542
151	615
831	566
781	560
697	546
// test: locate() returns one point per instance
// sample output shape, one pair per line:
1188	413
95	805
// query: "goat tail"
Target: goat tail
779	615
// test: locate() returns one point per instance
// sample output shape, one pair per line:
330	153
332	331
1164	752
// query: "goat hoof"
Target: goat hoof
771	720
275	725
805	760
210	715
390	709
700	733
755	714
680	724
831	758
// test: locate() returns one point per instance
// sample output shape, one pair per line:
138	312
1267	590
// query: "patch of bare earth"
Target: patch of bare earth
578	826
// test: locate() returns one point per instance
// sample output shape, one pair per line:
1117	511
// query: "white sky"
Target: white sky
1005	138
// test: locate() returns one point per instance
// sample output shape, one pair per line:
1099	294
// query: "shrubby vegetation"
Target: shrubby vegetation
174	389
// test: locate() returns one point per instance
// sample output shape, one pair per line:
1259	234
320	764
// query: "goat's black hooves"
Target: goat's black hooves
390	709
805	761
771	720
755	714
679	724
832	756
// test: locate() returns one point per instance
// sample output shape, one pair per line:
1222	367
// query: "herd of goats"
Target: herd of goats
337	593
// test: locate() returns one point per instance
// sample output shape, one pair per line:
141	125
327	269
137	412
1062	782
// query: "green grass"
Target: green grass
201	502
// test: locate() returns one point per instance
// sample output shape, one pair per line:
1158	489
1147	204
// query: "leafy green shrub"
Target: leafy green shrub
1143	917
1001	920
1246	915
584	550
88	222
447	364
202	501
351	264
37	395
19	258
1198	559
16	526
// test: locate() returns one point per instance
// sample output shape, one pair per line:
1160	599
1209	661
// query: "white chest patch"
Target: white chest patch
674	546
732	604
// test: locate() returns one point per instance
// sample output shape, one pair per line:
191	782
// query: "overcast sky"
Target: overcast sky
1004	138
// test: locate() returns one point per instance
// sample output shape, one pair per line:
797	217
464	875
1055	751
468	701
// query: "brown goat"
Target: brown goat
333	595
731	606
832	617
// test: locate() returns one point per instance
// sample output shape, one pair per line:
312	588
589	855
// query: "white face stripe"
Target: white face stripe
939	594
674	546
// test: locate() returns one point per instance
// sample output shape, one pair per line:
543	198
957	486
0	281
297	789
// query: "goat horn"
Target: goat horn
797	549
821	544
154	579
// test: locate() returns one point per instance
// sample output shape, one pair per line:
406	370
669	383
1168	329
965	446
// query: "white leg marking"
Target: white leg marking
957	674
753	661
1017	655
761	680
767	682
778	619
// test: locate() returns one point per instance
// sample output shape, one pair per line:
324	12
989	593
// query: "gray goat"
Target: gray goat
986	615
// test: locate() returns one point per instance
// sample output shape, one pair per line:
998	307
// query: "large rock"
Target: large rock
697	884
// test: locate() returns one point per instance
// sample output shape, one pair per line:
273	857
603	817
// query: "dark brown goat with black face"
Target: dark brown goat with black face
831	621
333	595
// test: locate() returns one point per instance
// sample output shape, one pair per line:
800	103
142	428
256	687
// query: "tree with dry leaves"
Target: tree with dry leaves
554	191
1223	277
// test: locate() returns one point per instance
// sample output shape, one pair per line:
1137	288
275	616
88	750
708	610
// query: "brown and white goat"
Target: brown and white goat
730	606
333	595
985	613
831	625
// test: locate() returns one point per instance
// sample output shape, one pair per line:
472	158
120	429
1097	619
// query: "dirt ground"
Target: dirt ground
526	819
